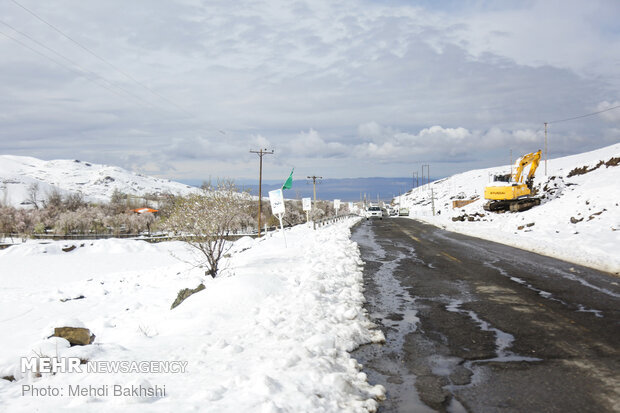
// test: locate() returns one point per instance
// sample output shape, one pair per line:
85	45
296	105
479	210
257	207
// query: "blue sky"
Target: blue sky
187	88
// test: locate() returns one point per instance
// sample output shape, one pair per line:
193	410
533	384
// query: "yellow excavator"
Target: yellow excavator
514	192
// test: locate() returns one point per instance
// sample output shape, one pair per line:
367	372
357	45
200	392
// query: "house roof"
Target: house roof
144	210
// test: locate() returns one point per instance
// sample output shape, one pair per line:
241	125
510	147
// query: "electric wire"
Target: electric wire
583	116
178	107
56	61
94	77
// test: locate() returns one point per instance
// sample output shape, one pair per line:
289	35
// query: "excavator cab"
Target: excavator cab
502	178
515	193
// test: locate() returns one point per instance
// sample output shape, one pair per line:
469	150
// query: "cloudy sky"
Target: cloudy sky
184	89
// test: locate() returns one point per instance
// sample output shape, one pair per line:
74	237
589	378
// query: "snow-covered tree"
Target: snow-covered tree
205	220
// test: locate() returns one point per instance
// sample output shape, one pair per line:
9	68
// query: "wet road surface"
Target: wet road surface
475	326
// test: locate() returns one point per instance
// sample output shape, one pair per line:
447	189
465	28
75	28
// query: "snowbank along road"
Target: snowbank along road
474	326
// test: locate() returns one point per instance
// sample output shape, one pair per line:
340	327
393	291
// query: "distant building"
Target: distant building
145	210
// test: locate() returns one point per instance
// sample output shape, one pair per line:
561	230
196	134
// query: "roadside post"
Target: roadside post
306	204
277	207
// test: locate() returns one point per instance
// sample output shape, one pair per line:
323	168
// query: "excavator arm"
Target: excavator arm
531	158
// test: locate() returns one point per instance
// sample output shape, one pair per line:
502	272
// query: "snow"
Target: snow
592	199
272	332
96	182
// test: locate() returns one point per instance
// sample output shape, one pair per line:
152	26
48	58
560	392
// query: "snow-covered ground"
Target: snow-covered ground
271	333
578	220
96	182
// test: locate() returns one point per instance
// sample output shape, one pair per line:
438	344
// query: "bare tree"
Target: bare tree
33	194
204	221
54	200
74	201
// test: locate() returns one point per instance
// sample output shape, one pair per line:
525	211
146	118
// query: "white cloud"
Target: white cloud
260	142
610	115
450	135
370	130
359	78
310	144
570	34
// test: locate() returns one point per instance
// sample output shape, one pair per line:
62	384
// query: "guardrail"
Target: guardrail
149	238
92	237
330	220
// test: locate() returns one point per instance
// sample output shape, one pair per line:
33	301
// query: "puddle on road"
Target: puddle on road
392	307
503	340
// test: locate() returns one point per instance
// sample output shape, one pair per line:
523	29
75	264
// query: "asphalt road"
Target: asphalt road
475	326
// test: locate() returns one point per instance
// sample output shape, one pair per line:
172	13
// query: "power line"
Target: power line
178	107
583	116
568	119
58	62
78	69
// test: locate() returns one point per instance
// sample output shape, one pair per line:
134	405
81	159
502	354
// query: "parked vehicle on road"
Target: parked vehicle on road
403	212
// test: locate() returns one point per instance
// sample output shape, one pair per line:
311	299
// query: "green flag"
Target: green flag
289	182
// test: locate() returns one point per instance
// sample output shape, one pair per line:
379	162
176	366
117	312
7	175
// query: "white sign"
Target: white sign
277	201
336	204
306	204
350	206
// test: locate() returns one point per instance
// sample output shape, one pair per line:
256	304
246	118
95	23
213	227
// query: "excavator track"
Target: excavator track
512	205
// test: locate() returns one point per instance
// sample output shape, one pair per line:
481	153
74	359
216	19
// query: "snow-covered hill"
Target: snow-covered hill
578	220
95	182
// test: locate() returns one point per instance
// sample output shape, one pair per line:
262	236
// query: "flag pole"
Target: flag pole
282	228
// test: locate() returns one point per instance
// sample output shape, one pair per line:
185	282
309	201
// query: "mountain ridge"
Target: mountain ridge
96	182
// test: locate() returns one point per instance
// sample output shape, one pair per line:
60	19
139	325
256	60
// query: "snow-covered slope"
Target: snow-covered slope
578	220
95	182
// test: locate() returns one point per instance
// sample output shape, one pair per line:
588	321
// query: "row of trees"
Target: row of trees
66	215
72	215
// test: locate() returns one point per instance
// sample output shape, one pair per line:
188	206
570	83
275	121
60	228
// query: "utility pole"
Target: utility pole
314	178
428	173
545	148
422	176
260	154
